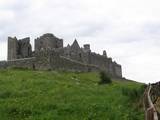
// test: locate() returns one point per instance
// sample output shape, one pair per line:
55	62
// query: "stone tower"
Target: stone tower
104	53
48	41
12	48
19	48
87	47
24	48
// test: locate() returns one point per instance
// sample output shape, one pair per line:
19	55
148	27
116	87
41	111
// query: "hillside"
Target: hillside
52	95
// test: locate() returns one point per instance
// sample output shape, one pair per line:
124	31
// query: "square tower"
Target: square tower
48	41
12	48
19	48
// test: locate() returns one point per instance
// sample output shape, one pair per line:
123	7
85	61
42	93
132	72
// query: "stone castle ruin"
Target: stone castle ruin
50	54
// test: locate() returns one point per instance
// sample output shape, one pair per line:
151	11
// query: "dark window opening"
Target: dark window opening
80	55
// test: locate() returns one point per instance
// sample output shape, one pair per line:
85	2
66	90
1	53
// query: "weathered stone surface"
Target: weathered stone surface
50	54
19	63
48	41
104	53
25	49
12	48
87	48
19	48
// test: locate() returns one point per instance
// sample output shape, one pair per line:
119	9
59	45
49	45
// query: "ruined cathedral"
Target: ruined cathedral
50	54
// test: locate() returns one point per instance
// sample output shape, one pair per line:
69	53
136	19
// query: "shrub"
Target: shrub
104	78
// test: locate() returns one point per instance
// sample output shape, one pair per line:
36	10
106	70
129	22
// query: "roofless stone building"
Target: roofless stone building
50	54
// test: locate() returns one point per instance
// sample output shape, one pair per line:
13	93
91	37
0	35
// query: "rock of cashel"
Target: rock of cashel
50	54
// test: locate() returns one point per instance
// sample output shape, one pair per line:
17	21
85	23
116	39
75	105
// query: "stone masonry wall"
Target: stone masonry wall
18	49
100	61
50	54
12	48
21	63
49	60
52	60
118	70
48	41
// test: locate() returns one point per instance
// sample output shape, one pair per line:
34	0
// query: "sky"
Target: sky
129	30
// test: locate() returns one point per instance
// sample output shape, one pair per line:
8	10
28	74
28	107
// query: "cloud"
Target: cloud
128	30
3	49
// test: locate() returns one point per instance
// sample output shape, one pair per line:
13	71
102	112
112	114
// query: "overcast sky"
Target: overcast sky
128	29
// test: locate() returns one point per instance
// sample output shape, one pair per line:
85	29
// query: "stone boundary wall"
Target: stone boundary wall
53	61
106	64
99	60
20	63
49	60
72	65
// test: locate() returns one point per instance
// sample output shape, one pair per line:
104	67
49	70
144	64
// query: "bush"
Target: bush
104	78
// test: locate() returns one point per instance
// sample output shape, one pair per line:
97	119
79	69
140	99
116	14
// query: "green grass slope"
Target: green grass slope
51	95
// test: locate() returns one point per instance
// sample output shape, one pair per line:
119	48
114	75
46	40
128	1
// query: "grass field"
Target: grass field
51	95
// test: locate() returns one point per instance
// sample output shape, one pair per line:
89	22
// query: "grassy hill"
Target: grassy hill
51	95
